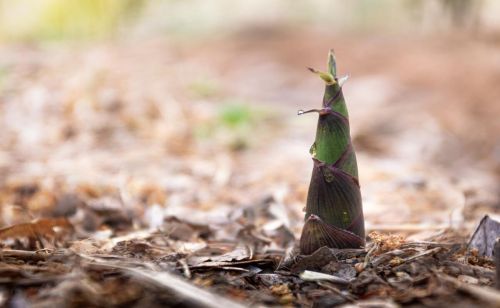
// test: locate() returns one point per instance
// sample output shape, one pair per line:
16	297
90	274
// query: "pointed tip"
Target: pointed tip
332	63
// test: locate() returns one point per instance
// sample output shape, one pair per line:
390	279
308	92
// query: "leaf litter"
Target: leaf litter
246	269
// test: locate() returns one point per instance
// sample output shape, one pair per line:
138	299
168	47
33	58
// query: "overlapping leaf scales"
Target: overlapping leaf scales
317	233
337	202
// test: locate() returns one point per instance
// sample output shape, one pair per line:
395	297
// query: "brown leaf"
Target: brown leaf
47	228
239	253
485	235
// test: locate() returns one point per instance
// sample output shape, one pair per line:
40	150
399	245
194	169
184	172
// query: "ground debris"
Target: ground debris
180	257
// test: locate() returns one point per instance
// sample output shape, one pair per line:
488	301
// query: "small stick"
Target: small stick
424	253
185	268
426	243
484	293
368	255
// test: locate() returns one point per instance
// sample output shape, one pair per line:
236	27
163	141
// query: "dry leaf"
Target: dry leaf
53	229
485	236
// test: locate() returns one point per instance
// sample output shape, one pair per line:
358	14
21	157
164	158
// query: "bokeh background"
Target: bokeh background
188	108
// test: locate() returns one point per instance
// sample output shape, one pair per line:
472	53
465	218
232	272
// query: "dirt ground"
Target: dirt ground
141	174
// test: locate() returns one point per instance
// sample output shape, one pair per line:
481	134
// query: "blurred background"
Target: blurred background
190	106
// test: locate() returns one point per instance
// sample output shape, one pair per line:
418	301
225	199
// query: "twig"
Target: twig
386	257
185	268
212	264
484	293
368	255
390	254
424	253
427	243
237	269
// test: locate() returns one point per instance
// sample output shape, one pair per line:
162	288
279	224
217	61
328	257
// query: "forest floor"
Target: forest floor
175	172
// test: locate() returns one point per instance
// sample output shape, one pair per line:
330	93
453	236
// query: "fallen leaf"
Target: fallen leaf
52	229
483	239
